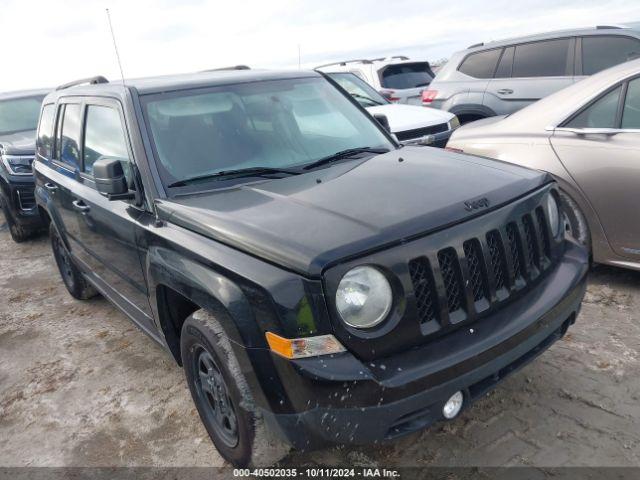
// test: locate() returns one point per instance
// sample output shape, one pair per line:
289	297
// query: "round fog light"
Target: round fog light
453	406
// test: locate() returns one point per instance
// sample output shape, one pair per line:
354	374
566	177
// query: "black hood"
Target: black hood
19	143
357	207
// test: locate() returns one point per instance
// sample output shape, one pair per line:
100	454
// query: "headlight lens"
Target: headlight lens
553	214
364	297
454	123
18	164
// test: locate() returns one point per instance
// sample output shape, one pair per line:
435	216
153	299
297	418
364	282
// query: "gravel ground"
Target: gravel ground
81	386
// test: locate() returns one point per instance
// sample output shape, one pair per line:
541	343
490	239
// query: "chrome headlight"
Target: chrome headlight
364	297
553	214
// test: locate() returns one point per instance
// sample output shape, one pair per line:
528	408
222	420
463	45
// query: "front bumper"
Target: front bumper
19	195
349	402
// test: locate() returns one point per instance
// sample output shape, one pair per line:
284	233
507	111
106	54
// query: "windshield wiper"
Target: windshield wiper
240	172
344	154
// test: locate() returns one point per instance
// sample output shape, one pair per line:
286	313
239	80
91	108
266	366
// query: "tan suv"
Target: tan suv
588	137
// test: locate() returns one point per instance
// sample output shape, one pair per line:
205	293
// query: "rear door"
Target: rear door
606	165
598	52
65	169
530	71
108	228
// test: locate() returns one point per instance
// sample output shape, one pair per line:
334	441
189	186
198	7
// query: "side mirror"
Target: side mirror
383	120
110	179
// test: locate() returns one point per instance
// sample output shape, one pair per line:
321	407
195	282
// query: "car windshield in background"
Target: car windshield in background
19	114
364	93
281	124
406	75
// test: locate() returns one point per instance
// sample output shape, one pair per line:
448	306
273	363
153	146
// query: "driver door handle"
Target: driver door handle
80	206
505	91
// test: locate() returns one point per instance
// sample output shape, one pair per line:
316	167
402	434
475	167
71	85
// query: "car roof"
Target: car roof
148	85
602	30
24	93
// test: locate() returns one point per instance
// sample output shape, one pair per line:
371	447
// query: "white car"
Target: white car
409	123
398	79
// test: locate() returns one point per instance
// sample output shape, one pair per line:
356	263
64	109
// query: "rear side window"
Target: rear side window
600	114
603	52
506	63
481	64
541	59
103	137
70	137
44	142
406	75
631	112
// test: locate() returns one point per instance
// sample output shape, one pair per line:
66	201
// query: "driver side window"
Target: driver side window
631	112
104	137
600	114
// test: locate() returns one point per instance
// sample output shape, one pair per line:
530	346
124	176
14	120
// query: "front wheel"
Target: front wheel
574	221
222	395
18	234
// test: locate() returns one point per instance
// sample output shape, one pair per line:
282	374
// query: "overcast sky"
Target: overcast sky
48	42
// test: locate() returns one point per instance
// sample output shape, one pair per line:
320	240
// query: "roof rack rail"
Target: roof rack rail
344	62
608	27
233	67
90	81
476	45
399	57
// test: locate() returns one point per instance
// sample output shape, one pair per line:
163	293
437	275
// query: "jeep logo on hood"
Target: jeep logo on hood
471	205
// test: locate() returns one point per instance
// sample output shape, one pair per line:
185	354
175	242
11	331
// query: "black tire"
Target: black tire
18	234
76	284
575	223
220	391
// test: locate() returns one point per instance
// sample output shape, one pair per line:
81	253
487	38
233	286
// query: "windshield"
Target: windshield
407	75
19	114
364	93
274	124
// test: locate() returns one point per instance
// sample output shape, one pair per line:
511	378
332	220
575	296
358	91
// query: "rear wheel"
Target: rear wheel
222	396
76	284
469	117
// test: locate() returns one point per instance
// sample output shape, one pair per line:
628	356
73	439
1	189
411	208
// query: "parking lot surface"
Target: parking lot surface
81	386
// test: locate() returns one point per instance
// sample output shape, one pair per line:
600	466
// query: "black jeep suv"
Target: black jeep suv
318	283
18	121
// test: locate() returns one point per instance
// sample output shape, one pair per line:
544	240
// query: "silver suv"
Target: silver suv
501	77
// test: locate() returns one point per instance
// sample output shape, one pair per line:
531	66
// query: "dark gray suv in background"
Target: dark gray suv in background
501	77
19	113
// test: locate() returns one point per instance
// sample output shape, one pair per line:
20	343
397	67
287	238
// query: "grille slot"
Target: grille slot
515	248
477	280
450	269
533	257
544	232
498	263
423	286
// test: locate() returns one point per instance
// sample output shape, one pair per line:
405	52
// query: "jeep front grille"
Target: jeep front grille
491	268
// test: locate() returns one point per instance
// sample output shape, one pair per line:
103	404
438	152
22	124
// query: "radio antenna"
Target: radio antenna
115	45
